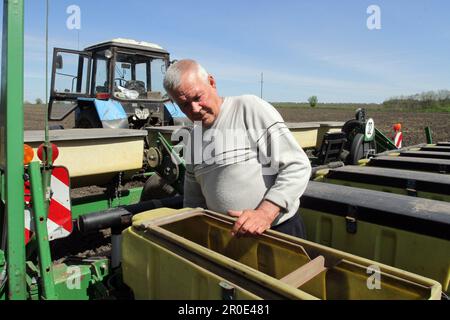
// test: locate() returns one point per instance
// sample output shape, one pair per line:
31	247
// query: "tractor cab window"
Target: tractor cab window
71	79
71	73
101	74
158	71
138	77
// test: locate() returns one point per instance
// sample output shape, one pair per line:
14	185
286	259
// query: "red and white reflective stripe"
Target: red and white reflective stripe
59	222
398	140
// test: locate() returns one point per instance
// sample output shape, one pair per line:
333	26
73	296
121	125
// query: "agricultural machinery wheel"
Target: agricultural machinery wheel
356	150
88	121
351	125
157	187
351	128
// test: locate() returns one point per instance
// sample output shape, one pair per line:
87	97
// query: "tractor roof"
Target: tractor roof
129	44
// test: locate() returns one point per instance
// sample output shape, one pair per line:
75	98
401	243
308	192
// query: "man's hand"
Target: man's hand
254	222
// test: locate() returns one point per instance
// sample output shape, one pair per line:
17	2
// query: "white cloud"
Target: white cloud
298	85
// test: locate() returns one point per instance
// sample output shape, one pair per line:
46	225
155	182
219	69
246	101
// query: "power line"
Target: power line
262	83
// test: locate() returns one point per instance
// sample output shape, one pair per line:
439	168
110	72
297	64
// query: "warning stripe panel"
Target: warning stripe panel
398	140
62	174
28	226
56	231
61	215
59	222
61	192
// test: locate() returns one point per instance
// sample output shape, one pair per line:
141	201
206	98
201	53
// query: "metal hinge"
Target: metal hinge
228	291
411	188
350	219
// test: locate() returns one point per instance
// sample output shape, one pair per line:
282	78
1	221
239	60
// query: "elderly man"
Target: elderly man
258	178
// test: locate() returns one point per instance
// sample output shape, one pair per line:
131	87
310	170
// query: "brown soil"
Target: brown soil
413	123
34	118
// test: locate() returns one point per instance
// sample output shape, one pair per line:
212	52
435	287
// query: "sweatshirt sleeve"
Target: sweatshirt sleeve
193	196
280	154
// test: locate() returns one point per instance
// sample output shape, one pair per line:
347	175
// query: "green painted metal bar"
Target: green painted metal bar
2	212
178	184
82	281
91	204
429	135
12	143
383	143
179	160
40	221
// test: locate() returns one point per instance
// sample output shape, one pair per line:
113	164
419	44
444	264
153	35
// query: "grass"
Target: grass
337	106
410	105
404	106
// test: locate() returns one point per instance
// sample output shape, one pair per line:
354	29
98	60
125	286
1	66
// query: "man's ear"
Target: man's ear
212	81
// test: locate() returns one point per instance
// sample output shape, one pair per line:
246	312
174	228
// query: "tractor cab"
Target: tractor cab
113	84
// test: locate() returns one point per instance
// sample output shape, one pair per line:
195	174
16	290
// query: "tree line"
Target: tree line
431	100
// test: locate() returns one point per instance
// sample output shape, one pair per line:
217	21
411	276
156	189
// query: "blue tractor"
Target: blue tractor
113	84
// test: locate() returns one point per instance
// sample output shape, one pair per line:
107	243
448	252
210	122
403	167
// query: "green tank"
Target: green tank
405	232
428	185
191	254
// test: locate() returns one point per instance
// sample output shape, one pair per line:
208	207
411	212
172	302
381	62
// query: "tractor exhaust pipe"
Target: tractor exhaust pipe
120	218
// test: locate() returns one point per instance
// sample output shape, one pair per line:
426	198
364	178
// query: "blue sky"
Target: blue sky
304	48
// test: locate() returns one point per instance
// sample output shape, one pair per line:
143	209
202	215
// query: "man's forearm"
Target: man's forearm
256	221
294	170
269	208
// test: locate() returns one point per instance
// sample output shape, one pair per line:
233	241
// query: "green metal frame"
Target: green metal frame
82	280
40	222
429	135
11	144
178	185
383	143
90	204
27	279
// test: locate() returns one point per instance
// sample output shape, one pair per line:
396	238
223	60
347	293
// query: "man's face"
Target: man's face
197	99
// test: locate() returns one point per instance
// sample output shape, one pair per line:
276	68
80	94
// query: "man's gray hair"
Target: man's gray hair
172	79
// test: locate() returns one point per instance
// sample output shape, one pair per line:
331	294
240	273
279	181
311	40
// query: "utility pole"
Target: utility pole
262	83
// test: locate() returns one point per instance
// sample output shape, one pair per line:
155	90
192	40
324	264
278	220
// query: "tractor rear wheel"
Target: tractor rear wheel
88	120
356	150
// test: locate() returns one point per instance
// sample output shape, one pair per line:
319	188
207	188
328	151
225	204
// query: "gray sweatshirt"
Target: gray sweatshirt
248	155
